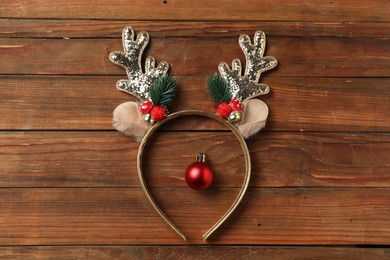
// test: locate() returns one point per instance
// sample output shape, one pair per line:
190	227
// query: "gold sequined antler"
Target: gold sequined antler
139	82
246	86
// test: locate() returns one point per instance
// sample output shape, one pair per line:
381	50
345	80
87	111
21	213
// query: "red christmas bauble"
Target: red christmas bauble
199	176
158	113
236	105
224	110
146	106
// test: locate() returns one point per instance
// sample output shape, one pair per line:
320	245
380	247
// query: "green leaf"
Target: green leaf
218	89
163	91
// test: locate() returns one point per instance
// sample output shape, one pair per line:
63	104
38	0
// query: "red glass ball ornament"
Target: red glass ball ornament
199	175
158	113
146	106
236	105
224	110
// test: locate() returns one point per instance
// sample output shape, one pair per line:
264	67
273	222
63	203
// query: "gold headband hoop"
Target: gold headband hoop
244	184
232	90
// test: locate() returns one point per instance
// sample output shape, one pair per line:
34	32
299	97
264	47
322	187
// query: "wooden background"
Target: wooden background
321	168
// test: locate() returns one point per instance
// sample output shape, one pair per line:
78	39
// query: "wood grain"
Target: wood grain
47	216
108	159
46	28
320	170
192	252
297	56
250	10
296	104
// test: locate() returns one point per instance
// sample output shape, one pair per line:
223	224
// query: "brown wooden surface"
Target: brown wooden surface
106	159
296	103
306	56
312	216
252	10
320	170
37	28
191	252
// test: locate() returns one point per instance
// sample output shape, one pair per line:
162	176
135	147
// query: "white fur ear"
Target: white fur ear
253	117
128	120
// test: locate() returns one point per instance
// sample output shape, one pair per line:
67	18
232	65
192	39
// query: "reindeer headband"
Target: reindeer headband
156	89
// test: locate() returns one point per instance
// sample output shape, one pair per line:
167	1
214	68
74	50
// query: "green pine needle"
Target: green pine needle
163	91
218	89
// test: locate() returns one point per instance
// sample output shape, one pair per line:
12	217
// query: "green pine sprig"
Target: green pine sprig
163	91
218	89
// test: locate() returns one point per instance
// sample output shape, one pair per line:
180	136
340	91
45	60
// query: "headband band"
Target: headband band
245	183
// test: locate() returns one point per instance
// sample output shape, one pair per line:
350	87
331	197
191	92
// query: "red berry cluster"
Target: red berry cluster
224	109
156	112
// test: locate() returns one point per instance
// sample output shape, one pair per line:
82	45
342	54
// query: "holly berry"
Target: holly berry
224	110
158	112
146	106
236	105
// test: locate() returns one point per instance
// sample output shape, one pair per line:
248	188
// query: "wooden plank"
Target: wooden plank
123	216
250	10
108	159
192	252
297	104
307	56
112	29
